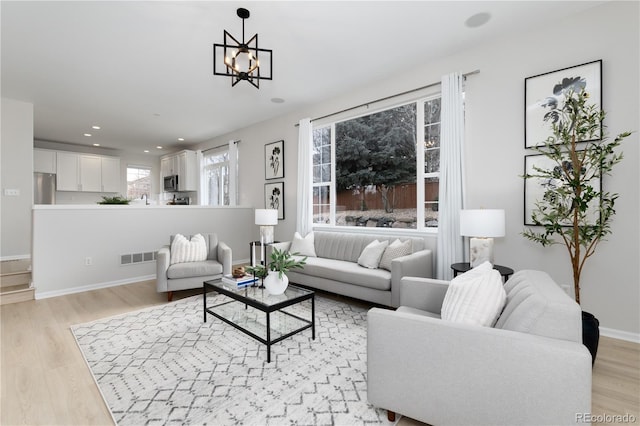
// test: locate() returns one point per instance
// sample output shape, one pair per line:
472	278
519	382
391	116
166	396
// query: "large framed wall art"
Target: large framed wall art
274	160
274	197
539	189
544	97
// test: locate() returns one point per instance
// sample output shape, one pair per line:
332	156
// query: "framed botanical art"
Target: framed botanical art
544	98
545	189
274	197
274	160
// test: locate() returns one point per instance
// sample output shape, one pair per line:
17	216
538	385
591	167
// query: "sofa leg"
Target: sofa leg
391	416
169	296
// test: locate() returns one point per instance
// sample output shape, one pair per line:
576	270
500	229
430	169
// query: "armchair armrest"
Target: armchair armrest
162	264
418	264
426	294
225	257
445	373
282	246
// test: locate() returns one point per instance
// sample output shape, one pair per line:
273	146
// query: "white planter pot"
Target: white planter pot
274	284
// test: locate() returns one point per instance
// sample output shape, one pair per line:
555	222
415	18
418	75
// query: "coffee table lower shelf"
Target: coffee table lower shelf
259	315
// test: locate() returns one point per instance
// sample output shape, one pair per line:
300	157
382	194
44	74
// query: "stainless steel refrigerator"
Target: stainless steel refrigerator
44	188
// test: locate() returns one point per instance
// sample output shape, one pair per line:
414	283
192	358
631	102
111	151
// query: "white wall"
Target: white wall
64	236
16	144
495	145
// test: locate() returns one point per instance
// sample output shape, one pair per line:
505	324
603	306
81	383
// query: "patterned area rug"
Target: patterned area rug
164	365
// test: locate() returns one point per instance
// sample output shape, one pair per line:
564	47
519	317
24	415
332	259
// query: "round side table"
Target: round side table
459	268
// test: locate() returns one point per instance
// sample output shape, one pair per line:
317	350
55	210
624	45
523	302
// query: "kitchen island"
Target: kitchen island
85	247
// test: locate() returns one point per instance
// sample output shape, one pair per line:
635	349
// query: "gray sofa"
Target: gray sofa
531	368
335	269
182	276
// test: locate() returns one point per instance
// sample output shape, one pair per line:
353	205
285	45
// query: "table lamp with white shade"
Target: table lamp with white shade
267	219
482	225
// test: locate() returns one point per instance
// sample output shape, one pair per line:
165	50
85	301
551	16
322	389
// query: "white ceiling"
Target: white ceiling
143	70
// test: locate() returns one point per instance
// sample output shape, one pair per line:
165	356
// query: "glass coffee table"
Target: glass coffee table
262	316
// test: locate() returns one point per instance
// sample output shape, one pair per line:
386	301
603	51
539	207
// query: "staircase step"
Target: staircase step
15	278
17	294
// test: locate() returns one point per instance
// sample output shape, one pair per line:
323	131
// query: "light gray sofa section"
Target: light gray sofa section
531	368
182	276
335	269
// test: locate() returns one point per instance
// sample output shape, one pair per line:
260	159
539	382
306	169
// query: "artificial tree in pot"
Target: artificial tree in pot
573	212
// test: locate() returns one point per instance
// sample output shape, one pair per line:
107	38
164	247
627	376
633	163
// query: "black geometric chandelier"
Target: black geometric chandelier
242	61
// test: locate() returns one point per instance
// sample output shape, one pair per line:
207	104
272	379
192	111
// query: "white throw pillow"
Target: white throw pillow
395	249
303	246
370	256
183	250
476	297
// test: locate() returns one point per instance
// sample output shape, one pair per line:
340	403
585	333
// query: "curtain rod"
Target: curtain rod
219	146
386	98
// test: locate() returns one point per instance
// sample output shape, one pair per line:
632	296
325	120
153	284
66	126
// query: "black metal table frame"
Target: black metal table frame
240	296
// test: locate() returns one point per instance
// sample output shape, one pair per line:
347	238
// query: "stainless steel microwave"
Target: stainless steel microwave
171	183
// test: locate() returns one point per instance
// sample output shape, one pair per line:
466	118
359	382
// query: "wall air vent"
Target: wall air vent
135	258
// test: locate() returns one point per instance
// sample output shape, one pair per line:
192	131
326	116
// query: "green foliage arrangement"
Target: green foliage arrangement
281	261
565	211
116	199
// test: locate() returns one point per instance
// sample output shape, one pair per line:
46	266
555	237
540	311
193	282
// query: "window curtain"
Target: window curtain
450	247
233	173
305	164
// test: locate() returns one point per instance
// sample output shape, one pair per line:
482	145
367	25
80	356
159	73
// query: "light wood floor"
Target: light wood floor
45	381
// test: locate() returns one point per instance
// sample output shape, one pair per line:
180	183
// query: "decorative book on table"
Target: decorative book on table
244	281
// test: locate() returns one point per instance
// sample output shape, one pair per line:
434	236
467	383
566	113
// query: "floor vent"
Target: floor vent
134	258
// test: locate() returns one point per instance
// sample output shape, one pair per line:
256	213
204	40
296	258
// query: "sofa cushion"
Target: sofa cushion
372	253
194	269
475	297
537	305
394	250
346	272
183	250
303	246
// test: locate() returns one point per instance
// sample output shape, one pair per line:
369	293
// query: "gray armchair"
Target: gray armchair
531	368
182	276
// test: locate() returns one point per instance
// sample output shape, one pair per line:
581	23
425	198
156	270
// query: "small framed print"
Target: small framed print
274	160
274	197
544	97
538	189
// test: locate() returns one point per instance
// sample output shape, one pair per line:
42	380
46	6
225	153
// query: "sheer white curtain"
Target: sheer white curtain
305	139
233	172
450	248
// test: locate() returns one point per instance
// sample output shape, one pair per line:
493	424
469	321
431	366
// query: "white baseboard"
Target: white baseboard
72	290
619	334
16	257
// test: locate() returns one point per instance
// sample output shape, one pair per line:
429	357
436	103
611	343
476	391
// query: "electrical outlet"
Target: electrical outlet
88	261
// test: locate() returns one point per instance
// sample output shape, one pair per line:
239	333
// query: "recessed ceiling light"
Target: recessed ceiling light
95	127
477	20
180	139
88	135
96	144
159	147
146	150
277	100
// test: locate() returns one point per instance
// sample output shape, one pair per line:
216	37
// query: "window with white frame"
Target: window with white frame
215	177
138	181
371	171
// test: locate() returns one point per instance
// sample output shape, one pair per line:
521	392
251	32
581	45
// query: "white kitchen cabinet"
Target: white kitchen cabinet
90	173
183	164
87	173
67	171
44	161
110	174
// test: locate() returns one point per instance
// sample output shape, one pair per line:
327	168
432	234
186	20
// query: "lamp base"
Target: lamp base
266	234
480	251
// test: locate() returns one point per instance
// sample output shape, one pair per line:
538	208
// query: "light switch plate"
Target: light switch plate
11	192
